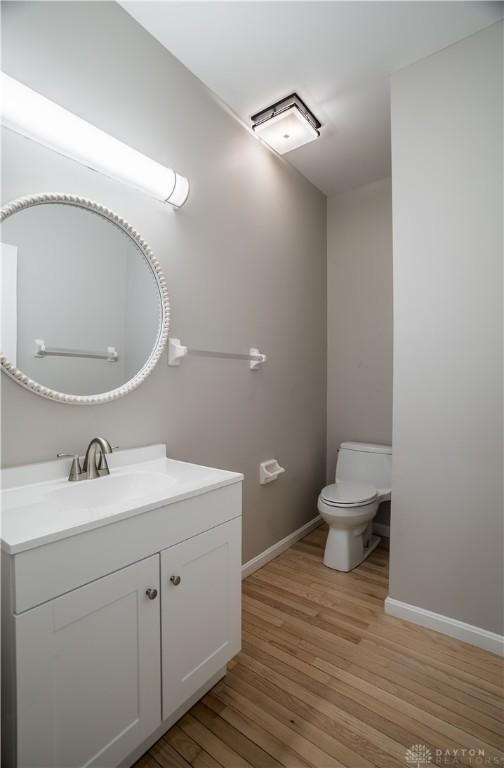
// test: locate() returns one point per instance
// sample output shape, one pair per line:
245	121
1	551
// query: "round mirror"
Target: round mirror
84	303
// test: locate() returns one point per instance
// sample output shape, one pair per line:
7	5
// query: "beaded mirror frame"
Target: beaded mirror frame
164	314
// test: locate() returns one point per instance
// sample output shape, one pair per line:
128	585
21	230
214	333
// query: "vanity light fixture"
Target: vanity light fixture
286	125
31	114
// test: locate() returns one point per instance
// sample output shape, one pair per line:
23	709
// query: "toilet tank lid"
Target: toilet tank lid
366	447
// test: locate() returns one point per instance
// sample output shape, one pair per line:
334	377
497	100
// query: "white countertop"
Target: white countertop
40	505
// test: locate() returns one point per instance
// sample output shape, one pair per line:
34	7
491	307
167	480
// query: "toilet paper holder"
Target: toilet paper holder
269	471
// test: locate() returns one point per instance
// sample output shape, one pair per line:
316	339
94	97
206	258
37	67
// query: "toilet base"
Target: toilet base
345	549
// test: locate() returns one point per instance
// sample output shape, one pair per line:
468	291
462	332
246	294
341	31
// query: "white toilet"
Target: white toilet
363	480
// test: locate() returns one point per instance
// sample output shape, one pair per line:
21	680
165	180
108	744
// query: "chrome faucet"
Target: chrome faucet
95	461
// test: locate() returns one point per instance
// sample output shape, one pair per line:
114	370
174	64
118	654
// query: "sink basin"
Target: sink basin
111	489
39	505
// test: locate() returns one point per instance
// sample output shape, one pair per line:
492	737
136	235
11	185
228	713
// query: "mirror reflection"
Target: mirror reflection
80	303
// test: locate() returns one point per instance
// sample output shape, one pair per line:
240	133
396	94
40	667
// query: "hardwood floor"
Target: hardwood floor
326	679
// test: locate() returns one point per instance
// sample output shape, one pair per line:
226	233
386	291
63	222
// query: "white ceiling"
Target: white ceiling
338	56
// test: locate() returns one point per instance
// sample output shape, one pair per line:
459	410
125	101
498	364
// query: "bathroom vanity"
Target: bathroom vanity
120	604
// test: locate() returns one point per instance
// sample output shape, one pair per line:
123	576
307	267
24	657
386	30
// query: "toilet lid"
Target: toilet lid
345	494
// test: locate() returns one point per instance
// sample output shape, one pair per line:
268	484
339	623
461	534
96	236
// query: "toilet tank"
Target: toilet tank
365	463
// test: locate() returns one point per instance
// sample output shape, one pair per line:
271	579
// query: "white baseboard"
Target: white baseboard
381	529
482	638
272	552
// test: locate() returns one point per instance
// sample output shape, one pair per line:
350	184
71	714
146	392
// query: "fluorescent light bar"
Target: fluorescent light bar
286	125
32	115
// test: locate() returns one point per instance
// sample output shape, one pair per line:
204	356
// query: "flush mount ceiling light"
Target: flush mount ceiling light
286	125
32	115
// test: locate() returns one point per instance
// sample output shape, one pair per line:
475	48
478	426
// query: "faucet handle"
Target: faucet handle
102	464
76	469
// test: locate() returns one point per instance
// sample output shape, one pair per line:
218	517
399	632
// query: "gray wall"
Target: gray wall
359	317
244	262
447	514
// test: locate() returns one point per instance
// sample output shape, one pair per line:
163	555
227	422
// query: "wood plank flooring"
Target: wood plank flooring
325	679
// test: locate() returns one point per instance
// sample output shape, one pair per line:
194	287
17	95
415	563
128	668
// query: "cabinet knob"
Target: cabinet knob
175	580
151	593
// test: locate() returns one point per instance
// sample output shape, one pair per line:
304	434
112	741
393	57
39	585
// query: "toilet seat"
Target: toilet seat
348	494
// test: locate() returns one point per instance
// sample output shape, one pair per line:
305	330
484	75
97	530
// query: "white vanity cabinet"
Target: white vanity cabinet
200	610
109	634
88	671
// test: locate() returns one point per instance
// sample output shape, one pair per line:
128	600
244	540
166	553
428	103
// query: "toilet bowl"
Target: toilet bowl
348	506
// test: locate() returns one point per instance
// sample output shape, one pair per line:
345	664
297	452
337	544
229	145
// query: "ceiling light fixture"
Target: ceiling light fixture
32	115
286	125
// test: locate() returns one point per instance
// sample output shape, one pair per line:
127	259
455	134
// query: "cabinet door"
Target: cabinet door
200	610
88	672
